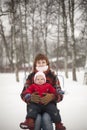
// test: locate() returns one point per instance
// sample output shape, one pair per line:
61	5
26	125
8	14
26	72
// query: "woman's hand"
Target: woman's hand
59	97
47	98
35	98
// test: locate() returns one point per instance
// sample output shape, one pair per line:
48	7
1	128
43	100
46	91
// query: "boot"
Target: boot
59	126
31	123
24	125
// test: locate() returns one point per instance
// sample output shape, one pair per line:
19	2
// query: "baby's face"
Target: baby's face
39	80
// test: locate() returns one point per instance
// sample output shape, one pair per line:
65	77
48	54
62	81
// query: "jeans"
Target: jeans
44	122
34	109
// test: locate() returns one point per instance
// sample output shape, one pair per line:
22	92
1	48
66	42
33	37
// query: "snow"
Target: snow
73	108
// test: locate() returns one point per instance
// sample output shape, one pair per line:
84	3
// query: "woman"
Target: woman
41	63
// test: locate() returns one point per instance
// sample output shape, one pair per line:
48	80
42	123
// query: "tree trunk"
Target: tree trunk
65	37
71	18
85	73
14	42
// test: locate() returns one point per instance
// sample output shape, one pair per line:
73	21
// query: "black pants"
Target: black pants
50	108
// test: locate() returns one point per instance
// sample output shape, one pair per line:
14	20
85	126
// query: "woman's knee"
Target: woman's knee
38	122
46	117
47	122
38	119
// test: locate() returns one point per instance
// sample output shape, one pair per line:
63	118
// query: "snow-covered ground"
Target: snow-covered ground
73	108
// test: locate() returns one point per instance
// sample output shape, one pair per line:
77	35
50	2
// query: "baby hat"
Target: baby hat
40	73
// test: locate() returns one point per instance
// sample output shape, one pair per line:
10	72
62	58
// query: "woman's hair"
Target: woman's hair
40	57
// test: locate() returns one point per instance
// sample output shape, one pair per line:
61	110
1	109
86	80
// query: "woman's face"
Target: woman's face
41	63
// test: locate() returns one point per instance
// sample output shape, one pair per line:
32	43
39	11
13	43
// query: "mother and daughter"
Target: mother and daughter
42	92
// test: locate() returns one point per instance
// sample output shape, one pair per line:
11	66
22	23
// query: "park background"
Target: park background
57	28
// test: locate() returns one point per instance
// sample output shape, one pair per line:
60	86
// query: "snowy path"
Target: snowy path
12	108
73	108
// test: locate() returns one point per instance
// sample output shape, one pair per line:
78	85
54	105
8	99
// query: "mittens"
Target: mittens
47	98
35	98
59	91
27	97
59	97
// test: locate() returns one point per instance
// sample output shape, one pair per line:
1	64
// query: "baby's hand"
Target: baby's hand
27	97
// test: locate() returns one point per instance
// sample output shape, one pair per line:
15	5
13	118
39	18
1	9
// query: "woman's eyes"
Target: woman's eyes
43	62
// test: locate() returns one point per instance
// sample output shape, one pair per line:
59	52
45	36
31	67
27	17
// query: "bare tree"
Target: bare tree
41	26
83	7
14	40
64	15
21	36
9	50
58	32
71	18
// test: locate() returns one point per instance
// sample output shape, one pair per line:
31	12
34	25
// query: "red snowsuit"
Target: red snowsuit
40	89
